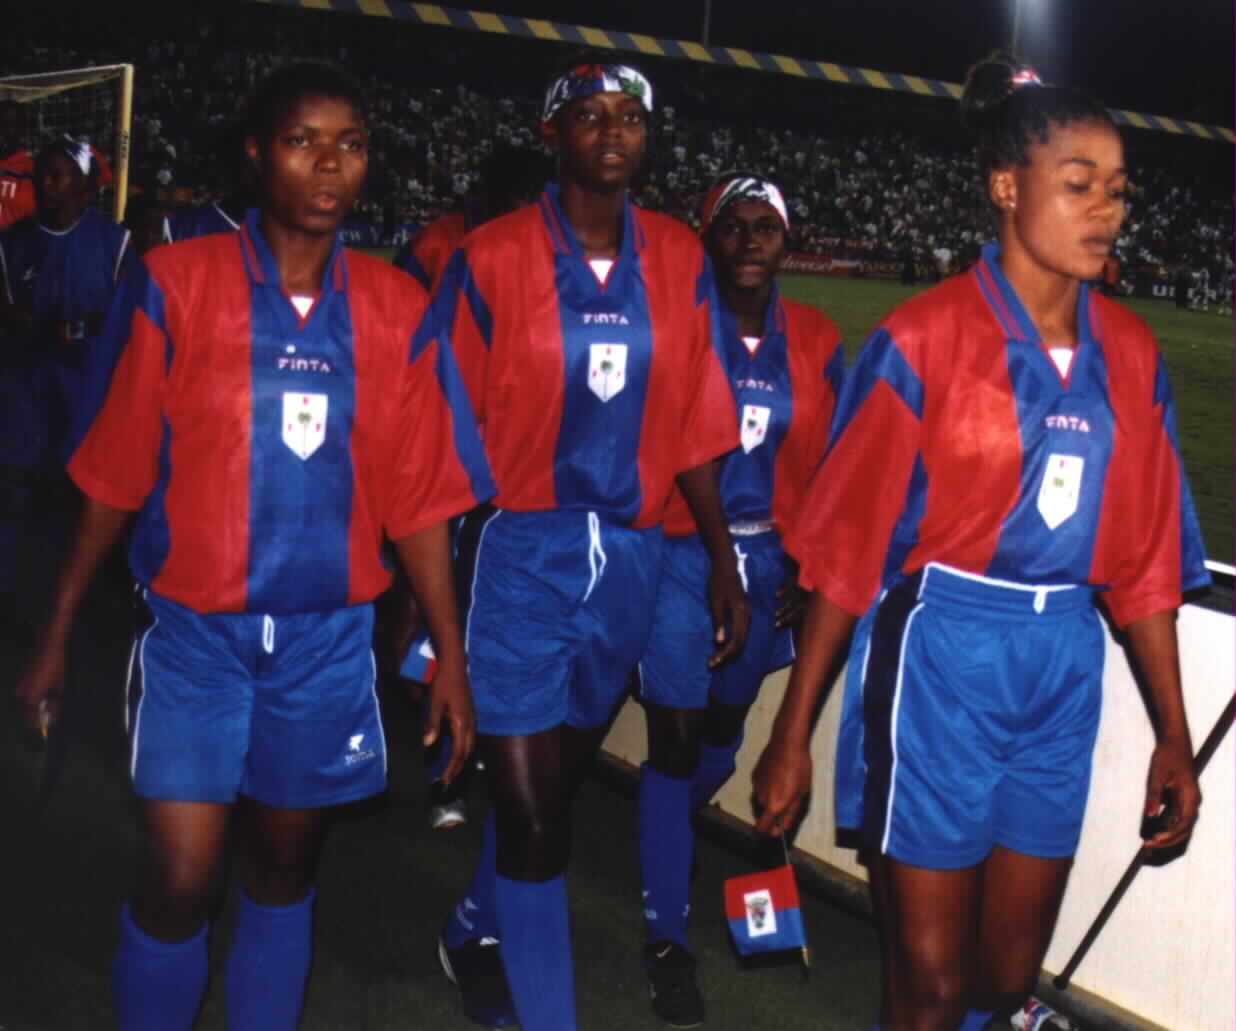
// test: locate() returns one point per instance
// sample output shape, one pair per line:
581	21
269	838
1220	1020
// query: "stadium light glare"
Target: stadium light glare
1034	9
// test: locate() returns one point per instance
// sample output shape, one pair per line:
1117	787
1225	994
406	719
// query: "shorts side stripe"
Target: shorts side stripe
377	709
141	686
475	559
892	777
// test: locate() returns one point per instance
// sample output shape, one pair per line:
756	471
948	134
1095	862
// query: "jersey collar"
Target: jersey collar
562	234
1007	308
260	260
774	321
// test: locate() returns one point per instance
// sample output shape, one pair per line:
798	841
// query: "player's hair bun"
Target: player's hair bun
989	83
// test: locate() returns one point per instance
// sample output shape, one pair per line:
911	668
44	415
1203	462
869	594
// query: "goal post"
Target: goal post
95	104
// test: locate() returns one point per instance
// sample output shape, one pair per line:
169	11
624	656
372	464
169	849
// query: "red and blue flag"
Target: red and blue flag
764	912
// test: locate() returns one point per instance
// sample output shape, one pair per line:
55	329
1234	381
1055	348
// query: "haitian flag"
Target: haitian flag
421	663
763	912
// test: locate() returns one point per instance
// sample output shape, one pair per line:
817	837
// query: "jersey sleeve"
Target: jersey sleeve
459	319
406	258
1149	539
440	468
711	425
118	424
842	531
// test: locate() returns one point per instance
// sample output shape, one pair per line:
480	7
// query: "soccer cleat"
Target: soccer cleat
675	996
475	968
447	807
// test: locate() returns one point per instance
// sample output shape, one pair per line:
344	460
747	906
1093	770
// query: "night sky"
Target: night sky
1171	57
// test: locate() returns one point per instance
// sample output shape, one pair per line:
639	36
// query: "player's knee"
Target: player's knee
533	843
934	987
173	900
674	741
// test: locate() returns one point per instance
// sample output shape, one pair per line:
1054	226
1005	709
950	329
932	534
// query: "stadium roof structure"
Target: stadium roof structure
731	57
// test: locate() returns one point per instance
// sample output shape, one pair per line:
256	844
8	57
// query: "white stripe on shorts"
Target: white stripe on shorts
476	566
892	730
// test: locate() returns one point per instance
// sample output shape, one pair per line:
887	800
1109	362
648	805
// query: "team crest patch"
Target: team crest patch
761	917
607	369
754	426
1060	489
304	422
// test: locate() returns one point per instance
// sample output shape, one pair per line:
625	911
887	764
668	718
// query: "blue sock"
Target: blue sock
975	1020
477	916
269	965
536	950
666	847
438	756
157	986
715	768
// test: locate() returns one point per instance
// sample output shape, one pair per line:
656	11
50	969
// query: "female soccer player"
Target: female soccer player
247	415
785	366
584	329
1003	452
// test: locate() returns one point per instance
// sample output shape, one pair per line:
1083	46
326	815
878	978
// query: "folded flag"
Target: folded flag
764	913
420	663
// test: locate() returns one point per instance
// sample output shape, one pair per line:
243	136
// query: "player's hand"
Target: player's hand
40	688
450	700
792	602
1172	792
731	614
780	785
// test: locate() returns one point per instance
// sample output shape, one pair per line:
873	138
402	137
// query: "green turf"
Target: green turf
1198	348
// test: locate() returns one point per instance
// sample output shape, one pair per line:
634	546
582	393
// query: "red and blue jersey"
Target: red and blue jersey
199	220
17	200
268	451
958	441
591	396
424	257
64	279
786	390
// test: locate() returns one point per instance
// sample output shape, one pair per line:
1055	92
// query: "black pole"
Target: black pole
1222	725
707	22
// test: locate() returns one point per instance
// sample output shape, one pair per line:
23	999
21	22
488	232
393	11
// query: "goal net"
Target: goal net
90	104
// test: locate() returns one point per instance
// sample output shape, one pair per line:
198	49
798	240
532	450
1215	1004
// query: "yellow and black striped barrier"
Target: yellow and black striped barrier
730	57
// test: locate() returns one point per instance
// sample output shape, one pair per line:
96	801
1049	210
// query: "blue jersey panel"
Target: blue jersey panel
607	344
301	474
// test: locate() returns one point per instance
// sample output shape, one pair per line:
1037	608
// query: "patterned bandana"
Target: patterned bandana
746	187
588	79
1025	77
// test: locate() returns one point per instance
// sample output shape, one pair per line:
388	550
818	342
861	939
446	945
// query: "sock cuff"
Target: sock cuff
130	930
294	911
682	783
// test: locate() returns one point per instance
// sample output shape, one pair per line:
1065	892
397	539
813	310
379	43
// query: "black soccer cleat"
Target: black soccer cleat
475	968
675	996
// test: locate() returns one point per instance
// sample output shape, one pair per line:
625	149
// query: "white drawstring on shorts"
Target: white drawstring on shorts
268	635
596	552
742	567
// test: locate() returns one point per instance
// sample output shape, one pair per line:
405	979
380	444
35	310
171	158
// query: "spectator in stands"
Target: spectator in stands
261	405
583	328
786	366
973	560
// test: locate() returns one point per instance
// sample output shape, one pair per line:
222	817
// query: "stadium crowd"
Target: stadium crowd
867	175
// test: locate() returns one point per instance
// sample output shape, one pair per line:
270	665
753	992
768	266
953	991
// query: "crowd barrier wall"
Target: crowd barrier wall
727	57
1168	954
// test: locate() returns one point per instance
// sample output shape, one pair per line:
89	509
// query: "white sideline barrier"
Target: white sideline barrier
1168	953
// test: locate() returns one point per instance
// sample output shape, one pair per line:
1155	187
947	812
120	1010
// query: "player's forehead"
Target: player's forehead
315	107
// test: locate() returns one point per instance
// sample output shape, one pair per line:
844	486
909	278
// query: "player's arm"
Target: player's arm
782	777
426	558
1154	645
40	688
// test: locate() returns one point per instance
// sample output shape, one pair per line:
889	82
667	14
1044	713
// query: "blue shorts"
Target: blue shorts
282	709
674	670
969	719
561	605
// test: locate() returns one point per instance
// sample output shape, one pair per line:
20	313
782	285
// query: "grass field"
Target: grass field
1197	346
